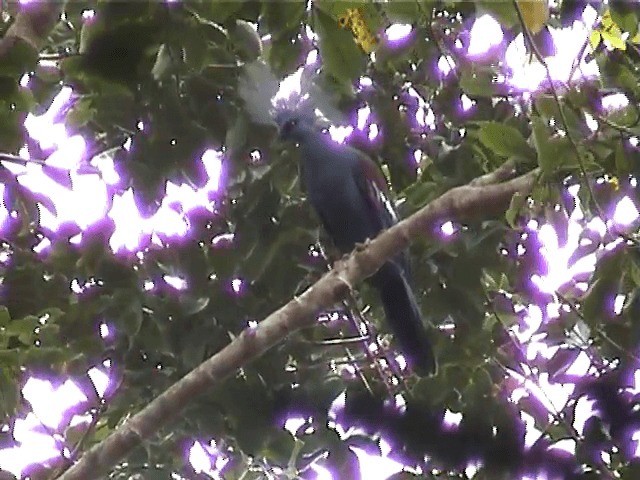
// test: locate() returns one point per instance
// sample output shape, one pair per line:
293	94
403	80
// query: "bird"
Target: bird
349	194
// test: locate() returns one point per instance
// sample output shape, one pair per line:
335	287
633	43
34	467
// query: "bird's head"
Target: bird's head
295	125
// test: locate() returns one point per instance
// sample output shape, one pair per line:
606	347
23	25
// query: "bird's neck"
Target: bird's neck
321	157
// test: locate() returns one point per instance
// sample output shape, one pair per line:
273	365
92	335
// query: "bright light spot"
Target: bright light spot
566	444
445	64
176	282
34	446
88	14
447	228
199	459
289	86
373	131
529	325
312	57
472	468
309	32
365	82
615	101
292	424
467	103
49	404
592	124
528	74
340	133
636	437
451	419
618	303
322	472
589	15
485	34
598	226
236	285
398	31
584	410
44	244
104	163
363	116
222	240
580	365
128	233
375	466
424	114
212	161
100	380
532	434
625	212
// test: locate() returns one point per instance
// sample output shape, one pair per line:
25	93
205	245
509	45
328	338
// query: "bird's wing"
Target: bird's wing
373	187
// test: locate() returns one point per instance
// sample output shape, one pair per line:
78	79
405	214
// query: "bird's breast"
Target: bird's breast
342	210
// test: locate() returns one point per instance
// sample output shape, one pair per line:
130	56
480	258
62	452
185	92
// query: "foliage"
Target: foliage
175	67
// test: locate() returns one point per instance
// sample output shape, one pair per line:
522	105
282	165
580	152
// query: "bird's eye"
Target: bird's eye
291	123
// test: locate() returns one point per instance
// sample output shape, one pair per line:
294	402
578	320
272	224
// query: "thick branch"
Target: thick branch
504	172
31	25
459	203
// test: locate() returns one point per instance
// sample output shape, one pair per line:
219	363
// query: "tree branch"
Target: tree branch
459	203
504	172
31	25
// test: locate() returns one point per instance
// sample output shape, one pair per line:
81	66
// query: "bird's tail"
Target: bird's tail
403	314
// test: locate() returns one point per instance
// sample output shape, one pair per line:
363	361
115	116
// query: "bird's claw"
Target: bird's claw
360	246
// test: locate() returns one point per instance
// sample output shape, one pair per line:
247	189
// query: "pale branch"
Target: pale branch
464	202
32	24
504	172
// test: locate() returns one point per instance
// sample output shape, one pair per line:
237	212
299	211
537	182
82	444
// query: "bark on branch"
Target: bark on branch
31	25
464	202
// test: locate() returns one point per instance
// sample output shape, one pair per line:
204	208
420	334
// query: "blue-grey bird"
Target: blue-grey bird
350	196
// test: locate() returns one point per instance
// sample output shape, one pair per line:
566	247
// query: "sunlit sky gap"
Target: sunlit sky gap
57	404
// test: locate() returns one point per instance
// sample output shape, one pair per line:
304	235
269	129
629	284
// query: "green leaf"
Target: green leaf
5	318
517	202
81	113
596	304
20	58
9	391
623	163
24	329
218	11
405	11
541	139
246	40
625	16
503	140
341	57
236	137
477	83
503	12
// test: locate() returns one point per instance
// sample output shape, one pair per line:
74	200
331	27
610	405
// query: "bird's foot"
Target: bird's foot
360	246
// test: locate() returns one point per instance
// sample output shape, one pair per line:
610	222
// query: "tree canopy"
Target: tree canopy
154	238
